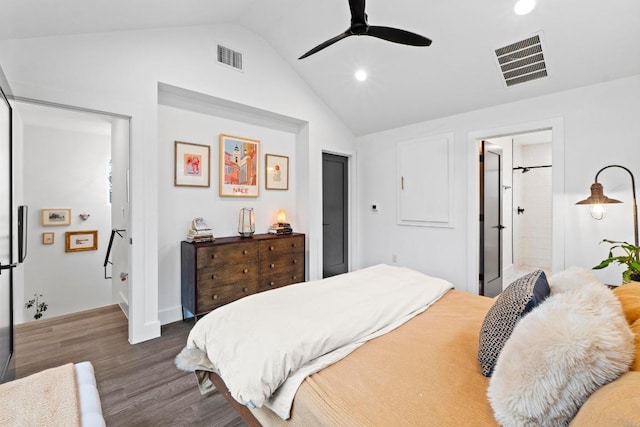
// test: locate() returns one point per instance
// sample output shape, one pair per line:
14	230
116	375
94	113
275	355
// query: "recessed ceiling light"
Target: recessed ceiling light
361	75
523	7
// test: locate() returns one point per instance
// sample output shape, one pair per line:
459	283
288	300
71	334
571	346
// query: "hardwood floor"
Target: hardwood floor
139	385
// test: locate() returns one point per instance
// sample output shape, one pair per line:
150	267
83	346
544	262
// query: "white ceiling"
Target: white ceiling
586	42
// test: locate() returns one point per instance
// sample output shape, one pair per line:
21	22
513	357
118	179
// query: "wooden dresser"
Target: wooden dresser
219	272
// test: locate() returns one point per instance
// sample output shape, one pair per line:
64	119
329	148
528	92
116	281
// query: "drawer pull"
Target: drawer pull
213	276
295	261
293	245
214	256
271	283
215	296
294	277
272	265
245	252
245	271
245	289
271	248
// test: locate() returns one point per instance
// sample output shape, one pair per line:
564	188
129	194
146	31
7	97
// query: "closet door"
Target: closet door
335	214
425	179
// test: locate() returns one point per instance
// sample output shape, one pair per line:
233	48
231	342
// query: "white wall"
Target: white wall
120	214
179	205
18	197
66	169
119	72
600	128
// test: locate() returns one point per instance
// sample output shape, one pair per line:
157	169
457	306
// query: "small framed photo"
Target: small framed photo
77	241
239	166
48	238
56	217
192	168
276	172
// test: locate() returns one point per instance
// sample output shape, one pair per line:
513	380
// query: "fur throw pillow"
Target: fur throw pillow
576	341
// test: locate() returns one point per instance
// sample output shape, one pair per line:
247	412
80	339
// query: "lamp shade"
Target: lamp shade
281	217
597	197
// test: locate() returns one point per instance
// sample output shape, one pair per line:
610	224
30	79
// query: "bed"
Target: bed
65	395
423	370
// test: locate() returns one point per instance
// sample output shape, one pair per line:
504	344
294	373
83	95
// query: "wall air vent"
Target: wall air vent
230	57
522	61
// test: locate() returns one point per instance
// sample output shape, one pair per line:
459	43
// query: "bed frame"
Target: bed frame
242	410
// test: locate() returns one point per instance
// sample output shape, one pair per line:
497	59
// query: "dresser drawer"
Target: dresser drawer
210	297
281	278
228	273
281	264
280	246
217	256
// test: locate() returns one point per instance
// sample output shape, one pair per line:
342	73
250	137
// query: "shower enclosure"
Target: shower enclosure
532	207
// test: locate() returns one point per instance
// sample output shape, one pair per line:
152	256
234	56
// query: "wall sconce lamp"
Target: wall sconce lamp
597	200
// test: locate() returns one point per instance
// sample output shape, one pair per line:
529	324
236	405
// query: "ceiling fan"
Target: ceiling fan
360	27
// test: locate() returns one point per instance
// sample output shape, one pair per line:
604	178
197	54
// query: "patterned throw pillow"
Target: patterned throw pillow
512	304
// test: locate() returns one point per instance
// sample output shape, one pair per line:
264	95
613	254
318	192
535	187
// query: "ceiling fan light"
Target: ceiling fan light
523	7
361	75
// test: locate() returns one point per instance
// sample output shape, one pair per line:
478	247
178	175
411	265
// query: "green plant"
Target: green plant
630	257
39	306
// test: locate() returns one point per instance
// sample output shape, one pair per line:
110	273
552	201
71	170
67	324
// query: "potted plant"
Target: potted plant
40	307
629	256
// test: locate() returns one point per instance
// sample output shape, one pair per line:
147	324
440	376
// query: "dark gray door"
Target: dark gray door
491	220
334	215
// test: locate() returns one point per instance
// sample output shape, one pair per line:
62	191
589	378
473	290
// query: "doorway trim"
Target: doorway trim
129	227
556	125
352	233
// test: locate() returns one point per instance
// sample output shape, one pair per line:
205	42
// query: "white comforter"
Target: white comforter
263	346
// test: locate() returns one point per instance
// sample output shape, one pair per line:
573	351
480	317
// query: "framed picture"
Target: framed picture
77	241
192	165
48	238
56	217
276	172
239	166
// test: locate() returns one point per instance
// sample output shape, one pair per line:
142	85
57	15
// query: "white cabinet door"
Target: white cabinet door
425	180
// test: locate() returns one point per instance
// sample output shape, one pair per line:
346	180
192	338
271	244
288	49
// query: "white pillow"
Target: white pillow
576	341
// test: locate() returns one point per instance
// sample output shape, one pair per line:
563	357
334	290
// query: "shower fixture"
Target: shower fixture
526	169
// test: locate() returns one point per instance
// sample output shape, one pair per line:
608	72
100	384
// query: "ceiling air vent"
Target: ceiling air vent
522	61
230	57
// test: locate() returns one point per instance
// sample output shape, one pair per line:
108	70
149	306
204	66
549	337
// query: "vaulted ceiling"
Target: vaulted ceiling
584	43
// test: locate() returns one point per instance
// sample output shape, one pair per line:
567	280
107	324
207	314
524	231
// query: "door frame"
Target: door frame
556	125
129	220
352	233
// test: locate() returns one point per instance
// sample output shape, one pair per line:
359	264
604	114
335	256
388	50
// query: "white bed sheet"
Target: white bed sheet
264	345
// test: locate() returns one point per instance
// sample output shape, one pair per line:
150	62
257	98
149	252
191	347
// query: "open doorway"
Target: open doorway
525	199
73	164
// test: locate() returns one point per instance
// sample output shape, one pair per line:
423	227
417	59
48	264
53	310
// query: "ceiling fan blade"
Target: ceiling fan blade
357	12
398	36
325	44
